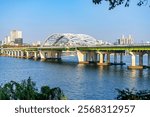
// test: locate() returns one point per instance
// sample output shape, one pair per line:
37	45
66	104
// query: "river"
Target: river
78	81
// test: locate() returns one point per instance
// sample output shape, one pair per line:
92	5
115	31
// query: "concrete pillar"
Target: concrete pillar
115	57
51	54
149	59
101	58
141	59
17	53
27	54
95	57
133	59
59	54
42	56
22	54
133	62
35	55
9	53
108	58
6	52
87	56
80	56
121	57
92	56
14	55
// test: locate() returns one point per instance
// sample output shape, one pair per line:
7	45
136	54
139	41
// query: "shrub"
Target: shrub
26	90
132	94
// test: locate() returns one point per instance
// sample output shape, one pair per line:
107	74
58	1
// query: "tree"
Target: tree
132	94
26	90
114	3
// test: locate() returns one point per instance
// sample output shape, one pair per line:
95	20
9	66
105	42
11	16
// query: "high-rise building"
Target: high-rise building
18	41
14	34
7	40
16	37
125	40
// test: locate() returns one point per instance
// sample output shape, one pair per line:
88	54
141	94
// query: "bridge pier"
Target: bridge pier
80	56
22	54
8	53
42	55
133	61
121	58
35	55
19	54
140	59
101	59
15	54
92	57
29	54
108	58
115	58
50	55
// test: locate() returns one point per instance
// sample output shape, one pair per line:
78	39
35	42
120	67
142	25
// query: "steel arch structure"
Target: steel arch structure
70	40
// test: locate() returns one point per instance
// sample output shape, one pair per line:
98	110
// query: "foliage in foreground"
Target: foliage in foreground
127	94
26	90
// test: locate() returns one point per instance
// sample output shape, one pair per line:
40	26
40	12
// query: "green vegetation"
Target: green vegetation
127	94
26	90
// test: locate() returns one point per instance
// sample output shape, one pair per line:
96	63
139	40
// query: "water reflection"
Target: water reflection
78	81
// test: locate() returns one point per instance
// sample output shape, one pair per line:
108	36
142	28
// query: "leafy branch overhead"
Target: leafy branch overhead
114	3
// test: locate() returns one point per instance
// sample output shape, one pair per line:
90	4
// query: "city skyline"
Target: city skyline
40	19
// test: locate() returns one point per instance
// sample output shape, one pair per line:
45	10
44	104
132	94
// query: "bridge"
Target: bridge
87	49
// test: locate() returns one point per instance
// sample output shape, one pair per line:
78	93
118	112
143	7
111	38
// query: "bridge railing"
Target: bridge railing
128	45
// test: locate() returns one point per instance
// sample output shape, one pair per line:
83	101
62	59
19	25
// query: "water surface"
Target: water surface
78	81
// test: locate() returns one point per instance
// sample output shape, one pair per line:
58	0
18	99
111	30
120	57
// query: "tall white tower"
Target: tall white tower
14	34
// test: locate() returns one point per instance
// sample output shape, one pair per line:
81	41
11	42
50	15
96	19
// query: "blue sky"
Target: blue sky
40	18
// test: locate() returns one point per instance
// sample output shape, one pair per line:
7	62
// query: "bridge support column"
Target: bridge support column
115	58
22	54
35	55
28	54
92	57
133	59
59	55
80	56
101	59
12	53
42	55
108	58
133	62
9	53
121	58
51	54
140	59
15	53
